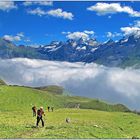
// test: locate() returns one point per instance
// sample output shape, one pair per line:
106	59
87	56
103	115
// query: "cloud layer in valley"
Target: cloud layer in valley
111	84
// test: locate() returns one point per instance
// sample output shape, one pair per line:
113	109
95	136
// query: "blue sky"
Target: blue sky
40	23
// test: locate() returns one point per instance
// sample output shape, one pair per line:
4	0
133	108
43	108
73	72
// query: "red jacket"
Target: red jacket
40	112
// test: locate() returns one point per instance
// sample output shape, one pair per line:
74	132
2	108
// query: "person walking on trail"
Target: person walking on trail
48	109
40	113
34	110
52	108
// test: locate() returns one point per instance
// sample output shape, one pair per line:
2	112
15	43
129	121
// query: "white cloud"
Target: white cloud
77	35
109	35
112	8
38	11
43	3
89	32
11	38
60	14
137	23
7	5
21	34
17	37
133	29
112	35
65	33
27	40
111	84
34	45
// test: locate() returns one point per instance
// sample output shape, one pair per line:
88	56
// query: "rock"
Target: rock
95	125
77	106
67	120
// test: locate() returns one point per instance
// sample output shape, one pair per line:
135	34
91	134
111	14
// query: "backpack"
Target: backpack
40	113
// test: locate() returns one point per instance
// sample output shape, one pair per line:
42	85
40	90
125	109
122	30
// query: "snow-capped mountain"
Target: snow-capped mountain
125	52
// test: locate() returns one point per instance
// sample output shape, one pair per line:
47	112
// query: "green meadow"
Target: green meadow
94	118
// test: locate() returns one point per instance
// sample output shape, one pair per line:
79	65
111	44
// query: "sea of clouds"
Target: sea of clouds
115	85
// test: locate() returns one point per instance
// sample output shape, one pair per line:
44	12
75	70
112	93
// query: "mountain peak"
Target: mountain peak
80	41
92	42
110	41
132	39
108	53
6	43
54	43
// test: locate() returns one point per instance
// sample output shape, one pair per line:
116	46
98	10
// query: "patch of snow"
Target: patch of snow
123	41
74	44
81	48
54	49
94	49
50	47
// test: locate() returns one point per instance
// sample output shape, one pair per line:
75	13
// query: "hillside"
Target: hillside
2	82
16	119
84	124
52	89
12	97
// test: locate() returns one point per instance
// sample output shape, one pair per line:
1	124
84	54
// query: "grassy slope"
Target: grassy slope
52	88
18	98
2	82
16	119
84	124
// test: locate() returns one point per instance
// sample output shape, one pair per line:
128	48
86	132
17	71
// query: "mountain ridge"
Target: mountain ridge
124	52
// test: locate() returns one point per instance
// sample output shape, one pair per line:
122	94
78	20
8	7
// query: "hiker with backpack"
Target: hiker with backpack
34	110
40	113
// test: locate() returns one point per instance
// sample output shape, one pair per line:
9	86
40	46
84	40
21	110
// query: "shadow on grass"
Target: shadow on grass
31	126
53	127
49	127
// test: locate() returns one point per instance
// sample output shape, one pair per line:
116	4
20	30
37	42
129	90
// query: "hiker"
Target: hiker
40	112
48	109
52	108
34	111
